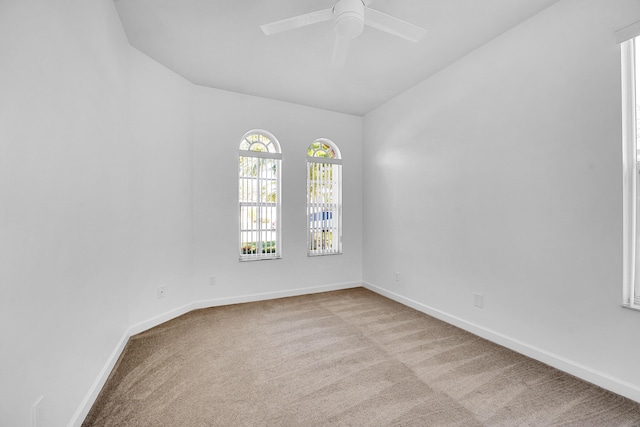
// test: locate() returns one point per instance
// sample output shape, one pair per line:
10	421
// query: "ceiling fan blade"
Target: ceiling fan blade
395	26
340	50
297	21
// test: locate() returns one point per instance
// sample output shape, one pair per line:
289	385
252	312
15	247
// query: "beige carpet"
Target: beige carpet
344	358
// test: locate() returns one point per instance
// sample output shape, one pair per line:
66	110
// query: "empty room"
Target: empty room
320	212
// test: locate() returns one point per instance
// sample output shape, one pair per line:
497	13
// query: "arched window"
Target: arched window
259	161
324	198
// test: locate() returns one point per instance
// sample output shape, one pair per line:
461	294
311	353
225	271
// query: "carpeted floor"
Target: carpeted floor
343	358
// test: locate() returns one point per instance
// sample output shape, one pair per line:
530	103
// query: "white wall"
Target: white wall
64	190
501	175
220	120
95	191
160	118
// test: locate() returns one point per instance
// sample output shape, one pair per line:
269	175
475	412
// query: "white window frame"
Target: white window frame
631	166
324	199
256	209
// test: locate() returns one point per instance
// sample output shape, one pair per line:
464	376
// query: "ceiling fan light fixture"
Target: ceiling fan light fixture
349	26
349	18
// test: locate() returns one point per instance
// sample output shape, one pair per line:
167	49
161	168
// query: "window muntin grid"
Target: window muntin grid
259	164
324	199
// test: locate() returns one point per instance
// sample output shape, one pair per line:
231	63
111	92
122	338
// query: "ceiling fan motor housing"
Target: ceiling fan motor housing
349	18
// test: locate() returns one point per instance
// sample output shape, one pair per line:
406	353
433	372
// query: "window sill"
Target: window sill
634	307
259	259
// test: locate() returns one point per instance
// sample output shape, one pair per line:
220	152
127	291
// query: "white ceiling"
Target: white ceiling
218	43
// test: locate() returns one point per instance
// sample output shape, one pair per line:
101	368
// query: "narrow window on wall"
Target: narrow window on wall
630	45
259	163
324	199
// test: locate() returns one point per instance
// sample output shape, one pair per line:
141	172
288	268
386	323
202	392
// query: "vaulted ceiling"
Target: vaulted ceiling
218	43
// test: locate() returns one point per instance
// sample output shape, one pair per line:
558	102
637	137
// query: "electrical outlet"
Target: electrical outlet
161	292
37	413
396	275
212	281
478	300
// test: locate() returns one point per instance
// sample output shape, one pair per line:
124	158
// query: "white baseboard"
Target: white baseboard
96	387
94	391
586	373
263	296
239	299
159	319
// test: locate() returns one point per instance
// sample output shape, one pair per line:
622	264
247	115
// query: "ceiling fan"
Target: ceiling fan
349	18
